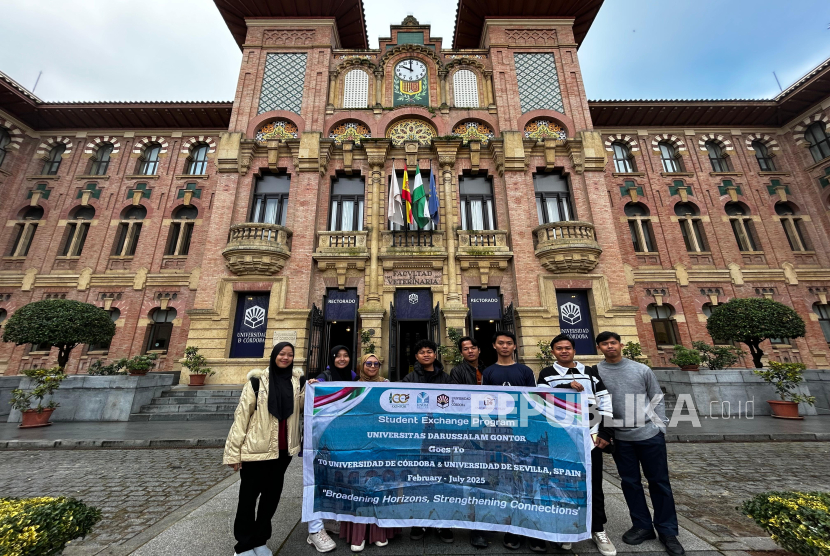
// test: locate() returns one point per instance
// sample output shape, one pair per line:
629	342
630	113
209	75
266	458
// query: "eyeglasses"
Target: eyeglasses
372	364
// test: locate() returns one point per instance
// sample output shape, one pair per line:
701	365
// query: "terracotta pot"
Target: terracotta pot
32	418
784	410
197	380
139	373
689	367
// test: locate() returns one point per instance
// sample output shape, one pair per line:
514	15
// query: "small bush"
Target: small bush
718	357
797	521
195	362
450	354
43	526
46	382
545	354
785	378
684	356
633	351
97	368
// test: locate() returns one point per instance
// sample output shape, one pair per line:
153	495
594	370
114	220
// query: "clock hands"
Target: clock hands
410	66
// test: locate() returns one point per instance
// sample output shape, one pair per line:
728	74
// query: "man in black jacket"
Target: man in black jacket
470	369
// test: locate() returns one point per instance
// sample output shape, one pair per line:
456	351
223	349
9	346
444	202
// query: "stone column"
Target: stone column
332	92
378	88
446	151
488	86
442	89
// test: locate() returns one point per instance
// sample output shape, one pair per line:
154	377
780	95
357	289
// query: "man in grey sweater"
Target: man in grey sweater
639	426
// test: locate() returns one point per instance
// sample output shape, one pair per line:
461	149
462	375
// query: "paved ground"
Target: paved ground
182	501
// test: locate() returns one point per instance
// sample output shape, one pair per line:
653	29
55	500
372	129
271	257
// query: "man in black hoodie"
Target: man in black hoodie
470	369
428	370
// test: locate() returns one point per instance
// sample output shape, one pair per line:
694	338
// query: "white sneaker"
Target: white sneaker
604	544
359	547
565	545
321	541
263	551
246	553
381	543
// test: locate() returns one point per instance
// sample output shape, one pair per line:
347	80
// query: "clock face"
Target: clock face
410	70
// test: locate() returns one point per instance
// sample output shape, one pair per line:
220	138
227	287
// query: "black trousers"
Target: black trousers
649	454
263	480
598	518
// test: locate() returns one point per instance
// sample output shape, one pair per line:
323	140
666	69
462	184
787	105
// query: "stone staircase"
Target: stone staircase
185	403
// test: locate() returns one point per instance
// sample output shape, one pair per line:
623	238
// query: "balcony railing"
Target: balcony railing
487	240
257	248
568	246
336	242
413	239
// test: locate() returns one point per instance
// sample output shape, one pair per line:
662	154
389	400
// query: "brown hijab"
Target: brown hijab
364	377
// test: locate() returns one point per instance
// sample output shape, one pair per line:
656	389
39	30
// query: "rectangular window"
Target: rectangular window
158	338
127	239
642	235
271	199
553	198
477	204
23	240
411	227
75	238
743	230
346	205
178	242
665	332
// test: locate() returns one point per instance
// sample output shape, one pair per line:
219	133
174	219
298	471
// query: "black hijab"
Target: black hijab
340	374
281	389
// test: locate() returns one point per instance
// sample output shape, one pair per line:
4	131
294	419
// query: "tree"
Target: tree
61	323
753	320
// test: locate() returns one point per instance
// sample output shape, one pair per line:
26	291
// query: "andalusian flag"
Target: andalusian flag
407	196
420	210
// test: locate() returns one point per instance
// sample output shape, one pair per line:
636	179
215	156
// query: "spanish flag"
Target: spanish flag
407	196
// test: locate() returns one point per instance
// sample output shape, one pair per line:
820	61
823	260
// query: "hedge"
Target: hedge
43	526
797	521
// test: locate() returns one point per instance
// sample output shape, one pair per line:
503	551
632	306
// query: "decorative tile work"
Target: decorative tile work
538	82
628	185
350	131
798	131
723	189
767	140
542	129
454	56
290	37
200	139
677	186
96	193
43	189
282	83
95	143
278	129
197	191
531	37
673	140
49	143
145	191
719	140
411	130
474	131
619	137
141	144
774	185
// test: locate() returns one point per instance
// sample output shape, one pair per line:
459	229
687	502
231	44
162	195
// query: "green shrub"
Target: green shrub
366	340
684	356
633	351
195	362
450	354
545	354
141	363
46	382
797	521
718	357
785	378
43	526
97	368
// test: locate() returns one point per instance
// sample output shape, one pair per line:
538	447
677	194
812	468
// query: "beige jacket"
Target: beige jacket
254	435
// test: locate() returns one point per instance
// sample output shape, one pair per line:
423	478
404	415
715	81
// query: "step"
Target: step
201	393
181	417
196	400
189	408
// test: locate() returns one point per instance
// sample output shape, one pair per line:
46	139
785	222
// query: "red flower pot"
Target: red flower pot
689	367
784	410
197	380
34	418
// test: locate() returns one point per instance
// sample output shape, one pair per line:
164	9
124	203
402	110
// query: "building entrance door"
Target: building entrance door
412	319
484	319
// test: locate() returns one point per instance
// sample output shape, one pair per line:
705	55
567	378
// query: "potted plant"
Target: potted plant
140	365
687	359
46	381
785	378
195	363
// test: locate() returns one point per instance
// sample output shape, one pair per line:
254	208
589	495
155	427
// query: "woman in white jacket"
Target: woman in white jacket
264	437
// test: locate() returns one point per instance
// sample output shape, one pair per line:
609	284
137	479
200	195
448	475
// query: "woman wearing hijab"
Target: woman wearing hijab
357	534
340	366
270	408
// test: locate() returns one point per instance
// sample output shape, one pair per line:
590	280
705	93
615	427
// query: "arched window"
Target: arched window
148	163
465	89
669	157
53	161
793	226
104	347
3	315
271	199
691	226
197	161
823	312
5	139
553	198
181	230
639	225
720	162
623	161
477	211
347	204
663	324
819	141
77	228
161	328
763	157
129	231
356	89
101	160
24	231
742	226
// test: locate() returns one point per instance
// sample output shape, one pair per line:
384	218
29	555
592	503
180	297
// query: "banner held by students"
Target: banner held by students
400	455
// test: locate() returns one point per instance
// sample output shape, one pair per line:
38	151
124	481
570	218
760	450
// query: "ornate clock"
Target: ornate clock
410	83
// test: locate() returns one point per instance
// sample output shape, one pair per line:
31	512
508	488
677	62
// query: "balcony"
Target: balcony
257	248
412	249
344	253
567	247
483	250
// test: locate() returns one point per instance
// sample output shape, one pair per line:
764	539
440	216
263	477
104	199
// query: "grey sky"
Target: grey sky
181	49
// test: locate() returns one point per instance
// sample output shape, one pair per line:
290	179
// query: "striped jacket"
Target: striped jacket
599	399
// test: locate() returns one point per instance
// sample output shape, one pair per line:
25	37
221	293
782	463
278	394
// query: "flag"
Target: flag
395	211
434	205
420	210
406	196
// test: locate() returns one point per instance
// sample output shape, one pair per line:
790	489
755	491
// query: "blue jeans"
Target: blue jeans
651	455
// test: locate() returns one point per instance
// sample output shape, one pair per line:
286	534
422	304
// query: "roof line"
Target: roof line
20	88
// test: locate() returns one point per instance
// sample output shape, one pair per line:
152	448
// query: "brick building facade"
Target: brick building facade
230	226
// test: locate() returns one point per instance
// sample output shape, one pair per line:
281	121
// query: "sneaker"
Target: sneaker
246	553
381	543
673	546
478	540
263	551
446	535
604	544
565	545
359	547
635	535
512	541
321	541
417	533
537	545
